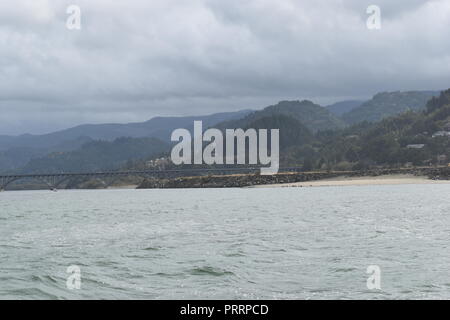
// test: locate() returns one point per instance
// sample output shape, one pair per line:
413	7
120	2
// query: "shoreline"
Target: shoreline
380	176
342	181
124	187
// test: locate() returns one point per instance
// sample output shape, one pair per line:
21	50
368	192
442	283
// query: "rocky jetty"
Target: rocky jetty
232	181
248	180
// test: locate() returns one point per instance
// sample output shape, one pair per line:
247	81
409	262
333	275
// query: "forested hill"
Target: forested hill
311	115
412	137
291	130
98	155
387	104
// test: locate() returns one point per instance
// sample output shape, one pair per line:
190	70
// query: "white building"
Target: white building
415	146
441	134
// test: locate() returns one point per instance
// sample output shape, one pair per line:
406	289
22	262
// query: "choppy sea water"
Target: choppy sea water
274	243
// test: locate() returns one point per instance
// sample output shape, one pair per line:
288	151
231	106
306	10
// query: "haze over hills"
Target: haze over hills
311	115
16	151
341	107
386	104
158	127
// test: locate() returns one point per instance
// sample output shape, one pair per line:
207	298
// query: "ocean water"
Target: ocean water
274	243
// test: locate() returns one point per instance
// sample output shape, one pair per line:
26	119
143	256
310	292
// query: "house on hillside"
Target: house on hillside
441	159
415	146
159	163
441	134
447	127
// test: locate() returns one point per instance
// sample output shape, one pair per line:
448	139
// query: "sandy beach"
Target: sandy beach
128	186
398	179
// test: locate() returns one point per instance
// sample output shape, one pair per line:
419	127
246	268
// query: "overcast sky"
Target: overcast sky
136	59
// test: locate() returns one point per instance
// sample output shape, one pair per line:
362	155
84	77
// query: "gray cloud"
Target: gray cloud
136	59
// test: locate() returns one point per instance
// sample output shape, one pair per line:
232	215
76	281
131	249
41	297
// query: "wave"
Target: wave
210	271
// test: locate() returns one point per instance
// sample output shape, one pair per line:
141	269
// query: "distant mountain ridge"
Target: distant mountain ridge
158	127
16	151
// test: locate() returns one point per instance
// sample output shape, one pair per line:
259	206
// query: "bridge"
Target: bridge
54	180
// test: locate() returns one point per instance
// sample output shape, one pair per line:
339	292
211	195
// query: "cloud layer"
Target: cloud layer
136	59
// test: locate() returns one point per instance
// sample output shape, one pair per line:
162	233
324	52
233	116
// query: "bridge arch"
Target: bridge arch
52	182
5	181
